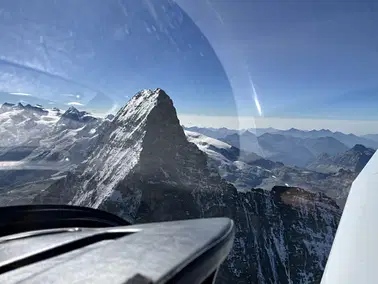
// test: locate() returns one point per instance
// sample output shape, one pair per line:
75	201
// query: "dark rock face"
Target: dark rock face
109	117
37	109
284	236
143	168
5	107
72	118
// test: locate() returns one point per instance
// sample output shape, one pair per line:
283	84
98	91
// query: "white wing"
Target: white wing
354	254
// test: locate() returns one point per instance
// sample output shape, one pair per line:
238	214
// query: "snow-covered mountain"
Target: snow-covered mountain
72	118
246	171
143	168
70	140
243	170
52	142
20	124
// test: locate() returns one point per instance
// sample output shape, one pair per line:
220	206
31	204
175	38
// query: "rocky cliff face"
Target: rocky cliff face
143	168
284	236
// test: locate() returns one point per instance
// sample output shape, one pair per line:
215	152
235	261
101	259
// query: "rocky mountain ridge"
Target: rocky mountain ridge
353	159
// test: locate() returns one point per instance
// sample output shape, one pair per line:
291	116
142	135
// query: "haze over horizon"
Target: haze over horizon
357	127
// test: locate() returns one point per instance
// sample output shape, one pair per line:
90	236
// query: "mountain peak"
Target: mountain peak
248	134
359	148
38	109
74	113
72	118
143	148
72	109
5	107
294	129
7	104
142	104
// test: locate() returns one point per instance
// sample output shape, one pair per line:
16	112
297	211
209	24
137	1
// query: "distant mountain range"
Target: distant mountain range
291	147
15	98
219	133
298	151
373	137
100	103
348	139
284	148
370	140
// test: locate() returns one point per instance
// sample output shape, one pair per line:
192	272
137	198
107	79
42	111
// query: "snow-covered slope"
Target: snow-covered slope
51	145
215	133
69	142
21	124
212	147
119	151
244	171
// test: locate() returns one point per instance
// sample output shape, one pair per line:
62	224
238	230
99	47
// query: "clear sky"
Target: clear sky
287	59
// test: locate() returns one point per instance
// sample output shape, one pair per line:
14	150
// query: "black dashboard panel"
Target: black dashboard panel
187	251
15	219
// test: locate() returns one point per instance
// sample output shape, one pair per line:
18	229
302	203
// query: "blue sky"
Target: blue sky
301	59
306	58
53	49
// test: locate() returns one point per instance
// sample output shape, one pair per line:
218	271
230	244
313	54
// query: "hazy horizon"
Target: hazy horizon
357	127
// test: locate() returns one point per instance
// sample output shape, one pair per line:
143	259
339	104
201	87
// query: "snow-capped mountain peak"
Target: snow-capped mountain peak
72	118
140	105
21	124
143	134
